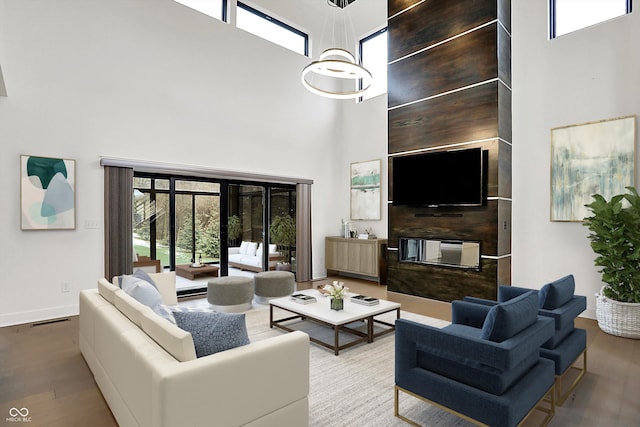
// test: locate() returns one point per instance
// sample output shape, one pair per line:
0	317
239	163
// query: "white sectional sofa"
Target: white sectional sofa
248	256
147	370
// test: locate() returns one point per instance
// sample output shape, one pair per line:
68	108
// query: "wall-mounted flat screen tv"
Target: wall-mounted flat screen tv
441	178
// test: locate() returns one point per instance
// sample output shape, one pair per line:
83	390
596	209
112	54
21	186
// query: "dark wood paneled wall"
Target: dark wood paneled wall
450	86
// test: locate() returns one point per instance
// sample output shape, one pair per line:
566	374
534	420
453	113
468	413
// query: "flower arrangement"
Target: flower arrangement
337	290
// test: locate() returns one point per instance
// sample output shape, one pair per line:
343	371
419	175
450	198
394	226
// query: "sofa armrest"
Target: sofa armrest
412	337
568	312
235	250
236	386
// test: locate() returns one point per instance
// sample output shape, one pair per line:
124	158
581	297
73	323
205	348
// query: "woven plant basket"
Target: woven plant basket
618	318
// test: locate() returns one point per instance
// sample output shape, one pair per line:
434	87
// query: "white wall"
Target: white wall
585	76
150	79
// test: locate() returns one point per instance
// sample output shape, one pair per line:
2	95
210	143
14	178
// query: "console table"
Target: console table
357	256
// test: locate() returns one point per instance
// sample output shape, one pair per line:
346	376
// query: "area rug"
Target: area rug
355	388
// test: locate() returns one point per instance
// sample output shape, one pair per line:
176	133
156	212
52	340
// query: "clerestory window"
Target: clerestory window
269	28
214	8
570	15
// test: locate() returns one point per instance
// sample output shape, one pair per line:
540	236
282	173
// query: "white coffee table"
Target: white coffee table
320	312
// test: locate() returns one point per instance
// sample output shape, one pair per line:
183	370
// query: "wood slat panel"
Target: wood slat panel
458	223
434	21
504	56
504	170
504	13
395	6
467	60
504	228
441	283
464	116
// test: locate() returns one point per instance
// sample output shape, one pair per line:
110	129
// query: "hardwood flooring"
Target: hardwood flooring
41	369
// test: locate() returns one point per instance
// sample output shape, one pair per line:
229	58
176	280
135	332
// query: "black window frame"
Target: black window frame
360	53
279	23
553	16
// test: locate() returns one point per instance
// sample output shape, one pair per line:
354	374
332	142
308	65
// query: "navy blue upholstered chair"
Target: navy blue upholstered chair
484	367
556	300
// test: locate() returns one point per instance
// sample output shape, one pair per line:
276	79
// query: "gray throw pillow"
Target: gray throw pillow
213	332
168	310
143	292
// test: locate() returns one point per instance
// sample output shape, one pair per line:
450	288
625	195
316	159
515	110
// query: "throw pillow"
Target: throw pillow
143	292
252	247
259	250
138	274
557	293
213	332
243	247
508	318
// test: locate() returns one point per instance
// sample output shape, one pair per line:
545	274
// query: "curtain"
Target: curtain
118	221
303	232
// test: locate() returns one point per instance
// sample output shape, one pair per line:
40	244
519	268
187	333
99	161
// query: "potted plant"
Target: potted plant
234	228
283	233
615	238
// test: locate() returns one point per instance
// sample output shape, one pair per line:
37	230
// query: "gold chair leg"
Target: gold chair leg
561	396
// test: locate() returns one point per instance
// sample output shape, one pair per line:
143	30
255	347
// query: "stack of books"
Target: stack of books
365	300
303	299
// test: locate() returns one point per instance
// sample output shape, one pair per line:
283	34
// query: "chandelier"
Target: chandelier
336	74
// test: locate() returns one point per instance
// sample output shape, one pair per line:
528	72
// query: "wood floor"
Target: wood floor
41	369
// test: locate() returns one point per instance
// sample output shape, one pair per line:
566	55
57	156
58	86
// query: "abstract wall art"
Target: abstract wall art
590	158
47	193
365	190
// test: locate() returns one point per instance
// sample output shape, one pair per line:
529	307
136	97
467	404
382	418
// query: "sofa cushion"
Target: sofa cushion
213	332
166	284
174	340
557	293
107	290
243	247
259	251
506	319
130	307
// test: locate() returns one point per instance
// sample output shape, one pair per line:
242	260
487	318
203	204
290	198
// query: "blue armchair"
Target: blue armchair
484	367
556	300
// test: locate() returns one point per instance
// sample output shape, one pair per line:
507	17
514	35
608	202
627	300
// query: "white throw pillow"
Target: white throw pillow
259	250
243	247
272	249
252	248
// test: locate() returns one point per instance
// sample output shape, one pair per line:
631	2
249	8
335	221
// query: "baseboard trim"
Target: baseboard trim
19	318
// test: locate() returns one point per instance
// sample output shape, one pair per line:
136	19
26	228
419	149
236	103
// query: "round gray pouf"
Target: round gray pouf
273	284
230	294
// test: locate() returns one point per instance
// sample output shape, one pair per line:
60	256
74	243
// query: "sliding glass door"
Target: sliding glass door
181	221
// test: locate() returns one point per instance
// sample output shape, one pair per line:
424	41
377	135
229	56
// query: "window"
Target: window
214	8
373	54
571	15
263	25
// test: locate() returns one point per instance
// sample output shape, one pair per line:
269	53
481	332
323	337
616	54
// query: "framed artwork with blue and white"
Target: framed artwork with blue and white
47	193
589	158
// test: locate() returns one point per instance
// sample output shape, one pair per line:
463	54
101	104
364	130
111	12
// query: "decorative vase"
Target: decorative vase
617	318
337	303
